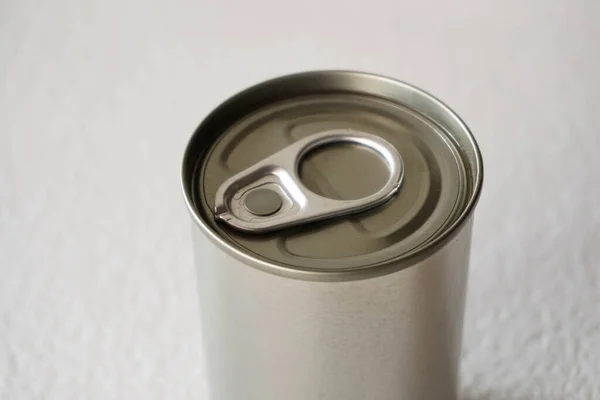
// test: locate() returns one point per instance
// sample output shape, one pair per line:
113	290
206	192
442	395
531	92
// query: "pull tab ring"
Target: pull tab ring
270	195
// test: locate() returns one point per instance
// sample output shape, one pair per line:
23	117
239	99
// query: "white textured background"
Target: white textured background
98	98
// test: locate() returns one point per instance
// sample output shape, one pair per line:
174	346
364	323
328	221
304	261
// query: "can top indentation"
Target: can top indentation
441	183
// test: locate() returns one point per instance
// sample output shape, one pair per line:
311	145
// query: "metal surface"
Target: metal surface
443	172
262	202
434	188
362	306
278	180
393	337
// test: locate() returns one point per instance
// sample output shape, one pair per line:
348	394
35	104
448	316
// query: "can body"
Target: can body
392	337
326	328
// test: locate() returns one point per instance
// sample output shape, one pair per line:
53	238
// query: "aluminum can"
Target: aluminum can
332	217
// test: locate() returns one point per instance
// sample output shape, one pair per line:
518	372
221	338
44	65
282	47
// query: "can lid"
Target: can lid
331	173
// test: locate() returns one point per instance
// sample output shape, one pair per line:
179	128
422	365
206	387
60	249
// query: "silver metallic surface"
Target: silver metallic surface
369	307
262	202
443	173
392	337
279	173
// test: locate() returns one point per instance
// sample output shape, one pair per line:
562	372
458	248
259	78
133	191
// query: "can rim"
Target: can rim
373	270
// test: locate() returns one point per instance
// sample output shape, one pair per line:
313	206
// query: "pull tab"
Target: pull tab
270	196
